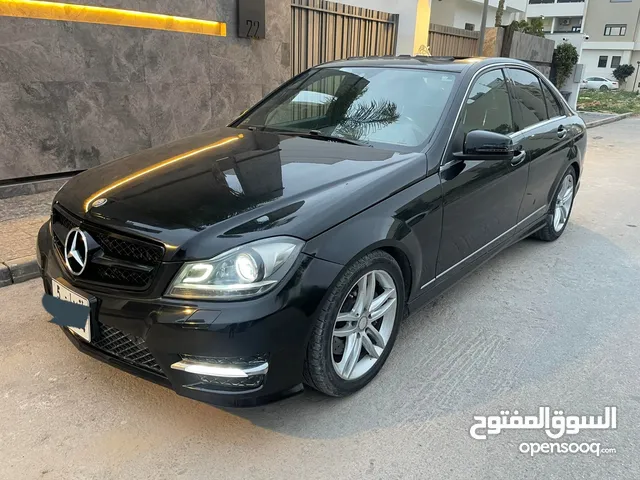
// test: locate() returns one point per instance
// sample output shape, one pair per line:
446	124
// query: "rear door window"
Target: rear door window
554	108
528	96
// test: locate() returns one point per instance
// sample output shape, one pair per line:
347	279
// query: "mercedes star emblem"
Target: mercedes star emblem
76	251
99	202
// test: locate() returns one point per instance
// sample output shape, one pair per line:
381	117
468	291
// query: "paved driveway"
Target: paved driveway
541	324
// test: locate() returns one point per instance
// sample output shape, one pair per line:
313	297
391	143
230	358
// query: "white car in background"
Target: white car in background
599	83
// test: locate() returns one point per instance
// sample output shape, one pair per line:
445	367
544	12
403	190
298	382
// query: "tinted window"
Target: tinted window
554	108
602	61
488	106
386	106
528	96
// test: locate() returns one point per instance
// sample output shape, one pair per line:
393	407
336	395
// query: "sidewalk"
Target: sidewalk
20	219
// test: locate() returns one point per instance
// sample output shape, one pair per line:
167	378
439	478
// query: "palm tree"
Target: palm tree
357	119
499	13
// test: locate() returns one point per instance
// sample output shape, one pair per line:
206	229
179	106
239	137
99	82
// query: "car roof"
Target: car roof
451	64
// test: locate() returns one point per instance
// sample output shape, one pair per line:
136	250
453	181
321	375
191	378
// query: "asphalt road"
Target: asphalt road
540	325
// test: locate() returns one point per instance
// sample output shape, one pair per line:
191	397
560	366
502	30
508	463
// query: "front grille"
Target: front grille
123	276
127	250
129	348
126	262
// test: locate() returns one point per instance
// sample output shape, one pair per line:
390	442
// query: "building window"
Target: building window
602	61
541	1
576	29
469	26
615	61
611	30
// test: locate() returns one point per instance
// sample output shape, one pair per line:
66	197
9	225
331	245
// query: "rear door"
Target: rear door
545	134
481	197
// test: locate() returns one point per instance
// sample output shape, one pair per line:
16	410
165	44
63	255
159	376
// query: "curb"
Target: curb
19	270
604	121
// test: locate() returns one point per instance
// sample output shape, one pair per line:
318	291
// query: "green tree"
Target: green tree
533	27
622	72
565	57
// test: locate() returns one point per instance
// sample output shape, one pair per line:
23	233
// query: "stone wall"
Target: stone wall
75	95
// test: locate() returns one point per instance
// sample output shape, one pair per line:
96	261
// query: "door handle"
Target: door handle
562	132
519	158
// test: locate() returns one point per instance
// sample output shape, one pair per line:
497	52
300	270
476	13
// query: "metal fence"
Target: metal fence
323	31
454	42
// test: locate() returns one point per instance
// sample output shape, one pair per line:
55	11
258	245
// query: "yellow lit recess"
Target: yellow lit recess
109	16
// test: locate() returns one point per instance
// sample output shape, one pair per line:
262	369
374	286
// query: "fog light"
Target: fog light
230	374
218	367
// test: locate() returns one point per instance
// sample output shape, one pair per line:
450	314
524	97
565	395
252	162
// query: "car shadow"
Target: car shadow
531	311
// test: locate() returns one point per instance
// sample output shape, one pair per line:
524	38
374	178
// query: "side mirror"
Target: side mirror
485	145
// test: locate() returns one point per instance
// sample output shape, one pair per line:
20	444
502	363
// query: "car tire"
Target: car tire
326	369
552	228
603	88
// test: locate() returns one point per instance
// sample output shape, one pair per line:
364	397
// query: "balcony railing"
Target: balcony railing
555	1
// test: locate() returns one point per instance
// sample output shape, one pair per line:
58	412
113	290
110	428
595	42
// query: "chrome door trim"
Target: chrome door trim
440	275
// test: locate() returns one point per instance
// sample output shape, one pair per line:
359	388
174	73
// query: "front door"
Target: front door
481	197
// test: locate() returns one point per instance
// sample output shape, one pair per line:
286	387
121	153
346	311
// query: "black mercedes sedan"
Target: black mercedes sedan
239	264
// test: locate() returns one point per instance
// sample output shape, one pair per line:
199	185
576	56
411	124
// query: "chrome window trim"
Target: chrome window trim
536	125
440	275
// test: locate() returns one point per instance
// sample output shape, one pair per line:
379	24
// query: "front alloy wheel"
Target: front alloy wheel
364	325
356	327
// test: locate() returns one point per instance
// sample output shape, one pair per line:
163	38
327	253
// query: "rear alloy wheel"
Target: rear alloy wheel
560	209
564	201
357	326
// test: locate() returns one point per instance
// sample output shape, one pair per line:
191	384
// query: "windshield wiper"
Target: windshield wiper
317	134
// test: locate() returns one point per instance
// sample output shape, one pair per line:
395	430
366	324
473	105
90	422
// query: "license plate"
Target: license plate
60	291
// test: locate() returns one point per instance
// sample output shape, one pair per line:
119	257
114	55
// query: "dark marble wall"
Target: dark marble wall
74	95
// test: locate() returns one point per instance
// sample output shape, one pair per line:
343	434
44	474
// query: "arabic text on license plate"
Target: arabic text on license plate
62	292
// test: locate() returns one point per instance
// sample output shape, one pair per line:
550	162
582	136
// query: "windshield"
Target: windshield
387	106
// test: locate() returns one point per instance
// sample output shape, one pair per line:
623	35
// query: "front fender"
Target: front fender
407	225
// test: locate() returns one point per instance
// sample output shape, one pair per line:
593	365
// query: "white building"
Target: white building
467	14
563	19
414	18
613	28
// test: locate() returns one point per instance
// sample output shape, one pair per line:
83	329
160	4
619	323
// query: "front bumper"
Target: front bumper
225	353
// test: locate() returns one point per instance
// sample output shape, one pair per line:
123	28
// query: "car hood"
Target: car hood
213	191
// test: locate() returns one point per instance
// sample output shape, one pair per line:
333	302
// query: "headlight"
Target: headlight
242	272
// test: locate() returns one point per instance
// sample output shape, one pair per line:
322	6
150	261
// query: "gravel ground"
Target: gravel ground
541	324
